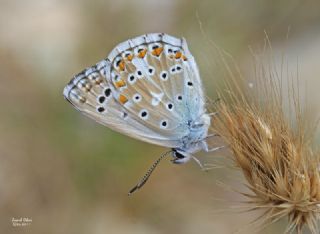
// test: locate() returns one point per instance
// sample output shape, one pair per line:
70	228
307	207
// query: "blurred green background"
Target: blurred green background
69	174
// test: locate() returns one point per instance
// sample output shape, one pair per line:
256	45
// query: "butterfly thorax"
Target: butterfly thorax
193	141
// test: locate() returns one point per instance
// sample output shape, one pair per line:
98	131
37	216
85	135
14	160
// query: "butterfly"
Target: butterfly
148	88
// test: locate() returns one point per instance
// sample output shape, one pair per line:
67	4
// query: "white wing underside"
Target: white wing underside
148	88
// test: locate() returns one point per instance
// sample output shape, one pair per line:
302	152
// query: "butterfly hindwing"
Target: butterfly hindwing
90	93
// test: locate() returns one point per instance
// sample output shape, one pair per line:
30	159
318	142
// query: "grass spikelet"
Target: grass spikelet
272	146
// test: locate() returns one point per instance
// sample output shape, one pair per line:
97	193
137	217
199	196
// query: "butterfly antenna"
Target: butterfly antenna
148	174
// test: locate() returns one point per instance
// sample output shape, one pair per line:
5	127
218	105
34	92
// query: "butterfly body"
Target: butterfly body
148	88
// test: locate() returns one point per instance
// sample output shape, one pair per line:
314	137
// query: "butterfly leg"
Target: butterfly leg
213	114
199	163
210	114
215	148
207	149
213	102
211	135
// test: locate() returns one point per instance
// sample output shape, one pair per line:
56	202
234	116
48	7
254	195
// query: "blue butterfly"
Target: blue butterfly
148	88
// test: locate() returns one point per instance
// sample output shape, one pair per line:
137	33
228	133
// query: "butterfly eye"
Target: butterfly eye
137	97
164	124
164	75
178	155
144	114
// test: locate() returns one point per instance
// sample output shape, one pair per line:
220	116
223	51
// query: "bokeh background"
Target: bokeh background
71	175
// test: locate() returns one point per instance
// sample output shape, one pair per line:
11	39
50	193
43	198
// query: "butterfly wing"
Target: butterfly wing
90	93
148	88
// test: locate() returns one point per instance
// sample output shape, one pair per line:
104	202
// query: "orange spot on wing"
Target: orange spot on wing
142	53
157	51
184	58
178	55
120	83
121	65
130	57
123	99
